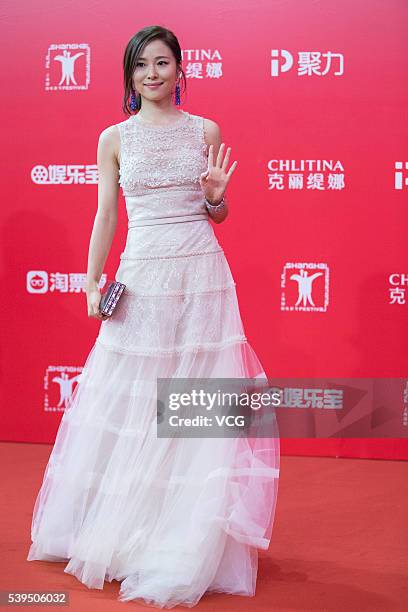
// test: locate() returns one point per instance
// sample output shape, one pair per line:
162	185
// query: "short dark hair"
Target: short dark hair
133	51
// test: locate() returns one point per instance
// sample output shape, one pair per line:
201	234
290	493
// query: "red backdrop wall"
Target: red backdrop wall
312	98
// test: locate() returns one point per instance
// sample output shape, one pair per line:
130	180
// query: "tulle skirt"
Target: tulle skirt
171	518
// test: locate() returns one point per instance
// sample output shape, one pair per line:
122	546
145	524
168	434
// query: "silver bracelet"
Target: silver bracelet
218	207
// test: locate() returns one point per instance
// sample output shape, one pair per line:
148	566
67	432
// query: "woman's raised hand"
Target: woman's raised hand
215	179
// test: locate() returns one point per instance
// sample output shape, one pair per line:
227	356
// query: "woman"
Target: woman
170	518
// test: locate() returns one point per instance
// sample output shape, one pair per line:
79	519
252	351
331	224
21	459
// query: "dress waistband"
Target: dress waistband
161	220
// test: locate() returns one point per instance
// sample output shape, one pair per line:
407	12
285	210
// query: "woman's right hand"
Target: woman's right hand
93	297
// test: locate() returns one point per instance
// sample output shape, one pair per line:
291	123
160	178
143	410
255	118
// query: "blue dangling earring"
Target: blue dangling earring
133	105
178	94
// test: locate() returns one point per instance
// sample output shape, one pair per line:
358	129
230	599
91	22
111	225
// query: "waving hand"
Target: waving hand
215	179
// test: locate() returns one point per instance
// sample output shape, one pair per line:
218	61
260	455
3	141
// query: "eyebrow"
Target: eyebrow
158	57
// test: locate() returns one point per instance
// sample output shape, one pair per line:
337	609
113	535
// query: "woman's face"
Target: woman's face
156	65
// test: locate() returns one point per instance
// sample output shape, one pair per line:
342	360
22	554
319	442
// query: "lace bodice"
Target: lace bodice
160	168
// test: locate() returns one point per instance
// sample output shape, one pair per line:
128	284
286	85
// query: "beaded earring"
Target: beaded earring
178	94
133	105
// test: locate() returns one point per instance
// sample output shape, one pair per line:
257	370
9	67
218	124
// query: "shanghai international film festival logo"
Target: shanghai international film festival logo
59	390
305	286
67	66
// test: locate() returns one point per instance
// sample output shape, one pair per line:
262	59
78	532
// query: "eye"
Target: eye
161	62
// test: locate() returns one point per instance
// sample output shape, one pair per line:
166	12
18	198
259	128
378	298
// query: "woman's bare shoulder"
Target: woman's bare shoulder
109	138
210	124
212	131
111	132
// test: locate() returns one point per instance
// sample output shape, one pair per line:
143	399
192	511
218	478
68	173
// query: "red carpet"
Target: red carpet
340	539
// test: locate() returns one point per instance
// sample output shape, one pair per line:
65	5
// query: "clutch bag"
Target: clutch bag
110	298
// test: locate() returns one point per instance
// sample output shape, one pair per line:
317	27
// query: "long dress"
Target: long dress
171	519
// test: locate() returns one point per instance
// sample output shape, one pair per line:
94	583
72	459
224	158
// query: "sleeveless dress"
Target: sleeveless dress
171	519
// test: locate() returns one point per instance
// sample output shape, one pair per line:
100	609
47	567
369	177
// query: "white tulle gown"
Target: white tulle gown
169	518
